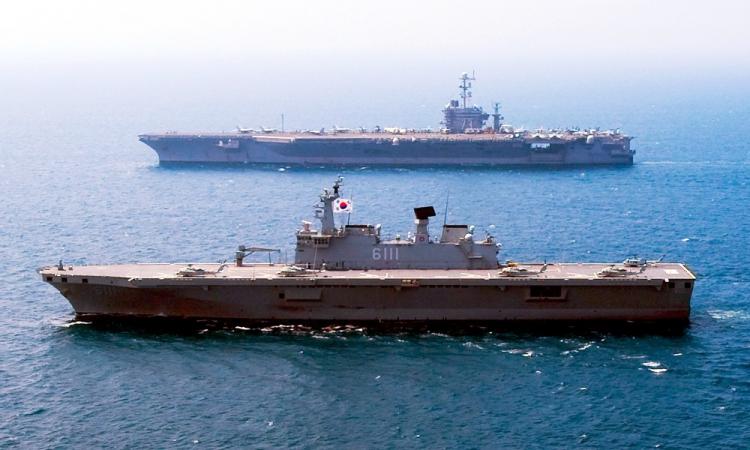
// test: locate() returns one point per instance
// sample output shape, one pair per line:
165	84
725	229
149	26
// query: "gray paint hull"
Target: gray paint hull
252	150
289	302
262	293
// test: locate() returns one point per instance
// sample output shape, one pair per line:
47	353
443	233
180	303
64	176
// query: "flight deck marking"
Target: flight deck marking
471	275
368	275
578	275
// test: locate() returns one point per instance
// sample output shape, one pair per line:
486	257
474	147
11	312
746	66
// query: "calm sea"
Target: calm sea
75	184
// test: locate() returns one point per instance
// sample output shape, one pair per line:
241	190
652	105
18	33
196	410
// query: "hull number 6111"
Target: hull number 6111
385	253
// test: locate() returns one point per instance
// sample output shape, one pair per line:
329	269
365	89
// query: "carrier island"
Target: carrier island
349	273
463	139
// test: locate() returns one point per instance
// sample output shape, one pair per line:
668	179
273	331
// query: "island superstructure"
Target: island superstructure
349	273
464	139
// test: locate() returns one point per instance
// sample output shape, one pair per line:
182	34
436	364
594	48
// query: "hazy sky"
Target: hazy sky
289	55
633	32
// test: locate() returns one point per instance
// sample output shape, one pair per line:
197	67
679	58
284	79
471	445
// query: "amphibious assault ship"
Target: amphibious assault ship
350	274
463	140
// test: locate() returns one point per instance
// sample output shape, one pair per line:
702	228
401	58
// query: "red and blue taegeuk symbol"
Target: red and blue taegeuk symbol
343	205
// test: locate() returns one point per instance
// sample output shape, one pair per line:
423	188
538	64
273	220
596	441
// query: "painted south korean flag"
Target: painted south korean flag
342	205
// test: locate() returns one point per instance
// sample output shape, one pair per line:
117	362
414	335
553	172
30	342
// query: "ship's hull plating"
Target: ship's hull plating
352	304
338	151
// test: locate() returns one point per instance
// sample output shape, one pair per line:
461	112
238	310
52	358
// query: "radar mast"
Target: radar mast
465	86
496	118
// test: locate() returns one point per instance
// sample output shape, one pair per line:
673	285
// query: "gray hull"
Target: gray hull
238	148
256	293
376	304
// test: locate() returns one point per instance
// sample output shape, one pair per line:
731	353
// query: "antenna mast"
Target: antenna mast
465	86
445	213
496	118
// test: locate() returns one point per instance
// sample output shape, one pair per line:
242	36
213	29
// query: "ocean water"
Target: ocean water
77	185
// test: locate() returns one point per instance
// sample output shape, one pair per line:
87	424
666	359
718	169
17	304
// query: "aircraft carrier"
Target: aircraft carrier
464	139
344	273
